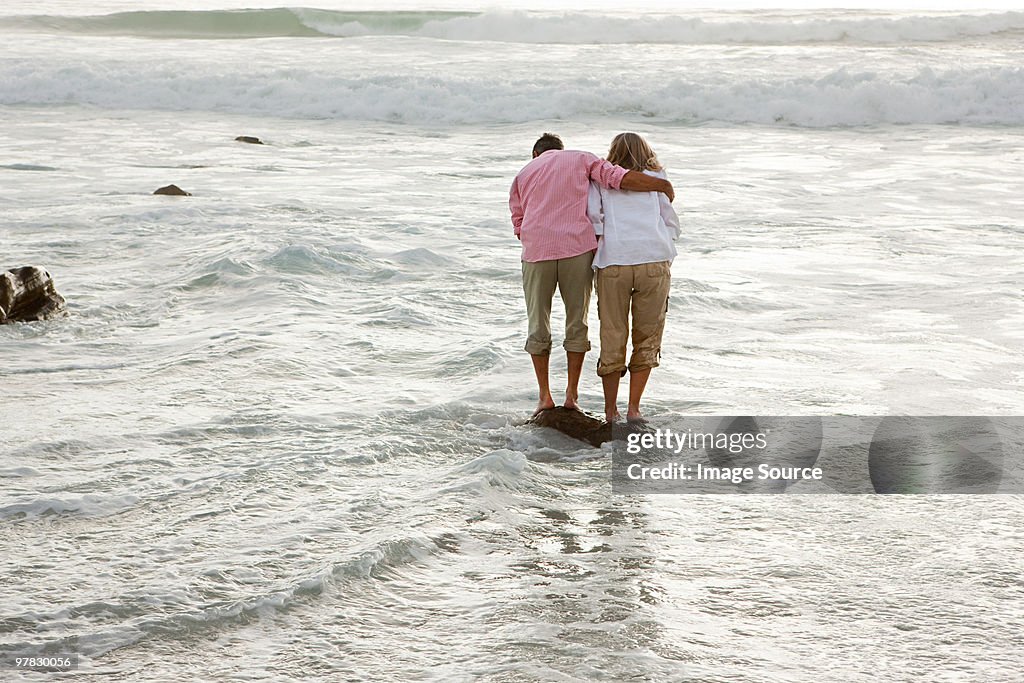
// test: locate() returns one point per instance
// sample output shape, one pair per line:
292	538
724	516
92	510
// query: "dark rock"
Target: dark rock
28	294
248	138
173	190
574	423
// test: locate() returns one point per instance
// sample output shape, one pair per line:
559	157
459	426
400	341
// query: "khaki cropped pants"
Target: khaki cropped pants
643	290
574	278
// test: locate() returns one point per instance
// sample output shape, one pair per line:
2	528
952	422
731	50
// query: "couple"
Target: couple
576	214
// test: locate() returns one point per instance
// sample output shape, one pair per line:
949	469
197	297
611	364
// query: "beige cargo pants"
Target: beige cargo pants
643	291
574	278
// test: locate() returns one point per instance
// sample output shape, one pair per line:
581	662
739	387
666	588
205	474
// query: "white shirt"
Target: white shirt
635	227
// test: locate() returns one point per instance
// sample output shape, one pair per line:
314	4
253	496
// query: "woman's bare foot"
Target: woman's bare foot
634	415
570	401
612	416
545	403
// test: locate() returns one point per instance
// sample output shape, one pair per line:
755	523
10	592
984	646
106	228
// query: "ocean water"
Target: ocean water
279	435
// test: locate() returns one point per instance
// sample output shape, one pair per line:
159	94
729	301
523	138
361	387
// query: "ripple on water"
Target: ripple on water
225	270
28	167
216	600
89	505
299	259
422	258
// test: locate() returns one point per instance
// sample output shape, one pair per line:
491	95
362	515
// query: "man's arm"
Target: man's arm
609	175
635	181
515	205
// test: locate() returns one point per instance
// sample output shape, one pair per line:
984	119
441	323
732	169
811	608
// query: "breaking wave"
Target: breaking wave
973	96
532	27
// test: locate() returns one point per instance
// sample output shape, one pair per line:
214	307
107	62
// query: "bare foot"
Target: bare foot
634	415
613	416
570	401
546	403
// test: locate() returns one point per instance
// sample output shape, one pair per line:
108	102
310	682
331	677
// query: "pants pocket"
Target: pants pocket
659	269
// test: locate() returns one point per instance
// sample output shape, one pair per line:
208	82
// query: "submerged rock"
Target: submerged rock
574	423
28	294
173	190
250	139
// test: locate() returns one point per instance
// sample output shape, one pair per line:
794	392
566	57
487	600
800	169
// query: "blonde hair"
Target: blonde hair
630	151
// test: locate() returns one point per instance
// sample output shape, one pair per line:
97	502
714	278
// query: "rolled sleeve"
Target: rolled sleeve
604	173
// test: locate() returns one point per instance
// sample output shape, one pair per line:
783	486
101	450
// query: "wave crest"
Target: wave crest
533	27
973	96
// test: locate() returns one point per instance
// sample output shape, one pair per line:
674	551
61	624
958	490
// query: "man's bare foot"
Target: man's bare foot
612	416
634	415
546	403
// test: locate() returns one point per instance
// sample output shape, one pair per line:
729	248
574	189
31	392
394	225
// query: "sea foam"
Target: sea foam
840	97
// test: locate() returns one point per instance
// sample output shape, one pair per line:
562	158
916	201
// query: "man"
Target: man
548	201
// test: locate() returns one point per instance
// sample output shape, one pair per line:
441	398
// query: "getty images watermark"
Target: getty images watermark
844	454
733	443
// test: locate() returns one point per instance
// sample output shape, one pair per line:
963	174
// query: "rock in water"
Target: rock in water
28	294
250	139
173	190
574	423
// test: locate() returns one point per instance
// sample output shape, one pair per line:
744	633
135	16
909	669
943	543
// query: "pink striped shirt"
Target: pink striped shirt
548	201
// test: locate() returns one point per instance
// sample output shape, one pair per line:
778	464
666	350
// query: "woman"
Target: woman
634	255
